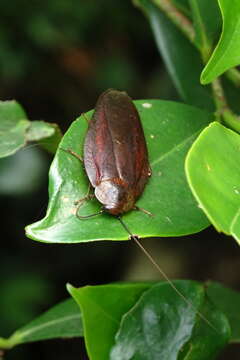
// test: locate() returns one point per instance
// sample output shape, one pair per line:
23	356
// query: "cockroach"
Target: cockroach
116	163
115	153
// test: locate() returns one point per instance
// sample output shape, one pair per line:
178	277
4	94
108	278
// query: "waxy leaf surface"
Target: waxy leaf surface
150	321
162	325
102	308
212	169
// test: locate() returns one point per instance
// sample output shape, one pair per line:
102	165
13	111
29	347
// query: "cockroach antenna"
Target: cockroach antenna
115	130
135	238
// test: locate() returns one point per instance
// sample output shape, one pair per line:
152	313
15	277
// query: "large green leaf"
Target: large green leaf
226	54
213	174
102	308
207	22
150	321
228	301
13	126
170	128
181	58
62	321
161	323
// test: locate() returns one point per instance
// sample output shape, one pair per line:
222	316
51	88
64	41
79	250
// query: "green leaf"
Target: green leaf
102	308
235	226
48	135
51	143
226	53
13	126
213	174
161	323
64	320
39	129
16	130
183	6
207	22
170	128
207	343
180	56
227	300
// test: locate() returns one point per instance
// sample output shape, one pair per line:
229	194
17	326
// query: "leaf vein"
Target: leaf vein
175	148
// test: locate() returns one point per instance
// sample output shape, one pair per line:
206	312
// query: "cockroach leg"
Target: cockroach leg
81	201
89	216
73	153
143	210
88	196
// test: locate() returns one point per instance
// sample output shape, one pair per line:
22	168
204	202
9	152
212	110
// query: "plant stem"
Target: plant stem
9	343
223	112
234	75
231	120
177	17
219	97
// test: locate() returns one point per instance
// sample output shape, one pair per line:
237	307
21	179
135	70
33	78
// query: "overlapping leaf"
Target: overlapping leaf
227	300
16	130
207	24
150	322
213	174
13	127
62	321
226	54
102	308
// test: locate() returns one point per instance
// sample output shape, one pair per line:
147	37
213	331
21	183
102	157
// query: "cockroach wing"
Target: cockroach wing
115	146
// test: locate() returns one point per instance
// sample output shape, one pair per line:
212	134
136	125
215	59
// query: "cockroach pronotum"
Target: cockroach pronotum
116	162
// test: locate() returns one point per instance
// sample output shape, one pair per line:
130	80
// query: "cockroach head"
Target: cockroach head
109	194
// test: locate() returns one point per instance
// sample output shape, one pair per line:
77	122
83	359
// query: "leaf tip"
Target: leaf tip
71	289
204	79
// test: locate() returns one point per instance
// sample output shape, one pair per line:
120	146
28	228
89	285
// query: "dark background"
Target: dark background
56	57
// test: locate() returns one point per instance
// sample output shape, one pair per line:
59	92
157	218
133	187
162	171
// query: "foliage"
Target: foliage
193	151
